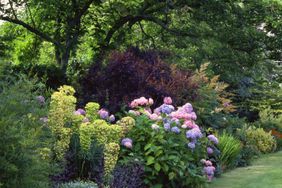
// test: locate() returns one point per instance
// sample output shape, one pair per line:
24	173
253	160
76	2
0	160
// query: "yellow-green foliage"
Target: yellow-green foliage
111	152
92	110
106	135
85	135
264	141
60	117
127	123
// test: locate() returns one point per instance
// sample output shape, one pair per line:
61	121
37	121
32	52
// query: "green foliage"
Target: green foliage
24	150
165	155
106	133
111	152
85	136
78	184
62	107
127	123
230	148
264	141
249	151
92	110
270	120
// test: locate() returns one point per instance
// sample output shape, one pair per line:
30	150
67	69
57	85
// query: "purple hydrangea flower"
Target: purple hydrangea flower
175	130
76	113
112	118
166	109
40	99
81	111
127	142
167	126
209	150
188	108
209	170
175	120
191	145
213	139
194	133
104	114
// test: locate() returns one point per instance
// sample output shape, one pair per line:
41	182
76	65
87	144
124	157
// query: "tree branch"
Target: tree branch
31	29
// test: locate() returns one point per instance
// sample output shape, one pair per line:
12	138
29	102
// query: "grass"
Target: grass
266	172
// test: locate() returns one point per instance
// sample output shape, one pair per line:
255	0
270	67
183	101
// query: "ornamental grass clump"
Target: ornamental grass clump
169	143
230	148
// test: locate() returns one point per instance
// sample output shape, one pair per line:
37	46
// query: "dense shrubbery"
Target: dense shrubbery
166	143
148	147
24	149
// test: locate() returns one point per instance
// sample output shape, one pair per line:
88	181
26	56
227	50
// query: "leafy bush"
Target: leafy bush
254	142
169	144
262	140
270	120
24	149
248	151
78	184
136	73
230	148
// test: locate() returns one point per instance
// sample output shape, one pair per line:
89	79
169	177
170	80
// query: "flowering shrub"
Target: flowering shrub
169	144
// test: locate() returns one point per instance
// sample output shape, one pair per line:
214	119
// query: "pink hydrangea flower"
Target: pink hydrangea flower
133	104
208	163
167	100
142	101
154	117
134	112
151	101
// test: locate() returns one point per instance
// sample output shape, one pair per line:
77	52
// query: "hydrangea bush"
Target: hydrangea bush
169	143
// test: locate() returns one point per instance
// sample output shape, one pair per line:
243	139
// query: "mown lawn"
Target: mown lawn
265	172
